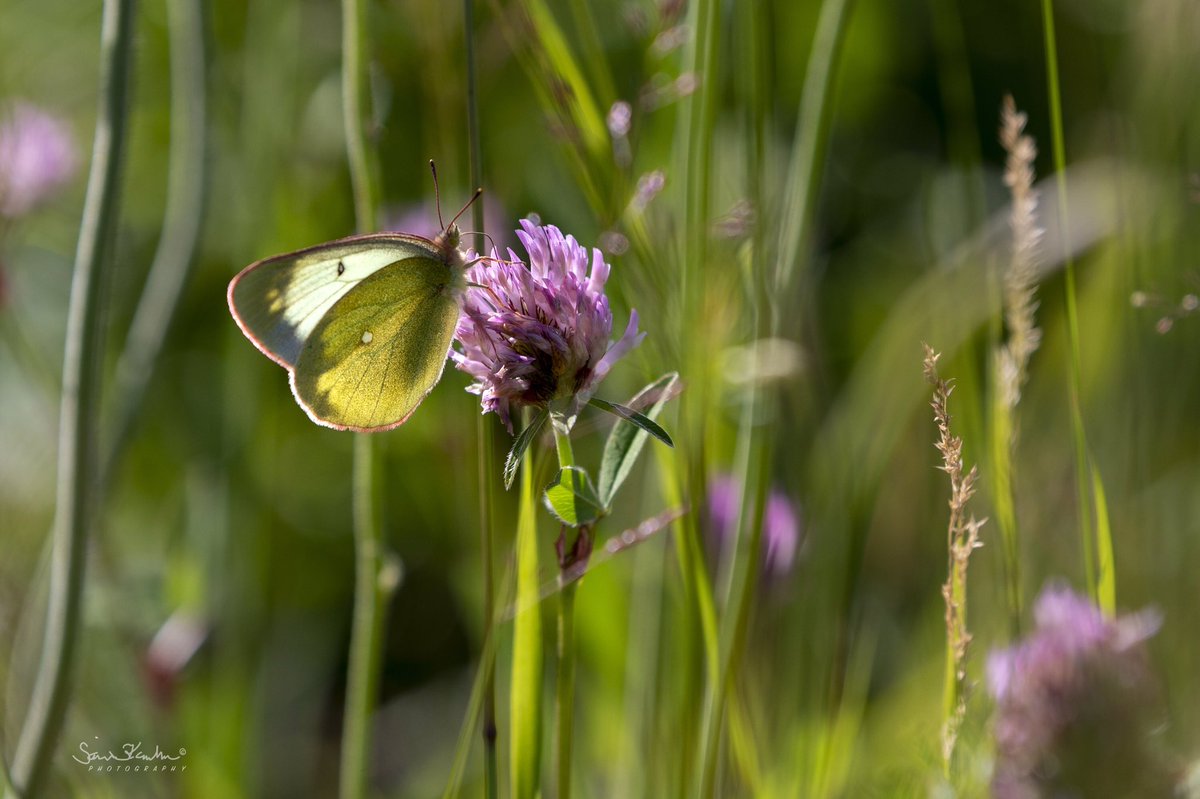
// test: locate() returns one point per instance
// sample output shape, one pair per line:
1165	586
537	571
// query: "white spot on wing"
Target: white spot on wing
367	337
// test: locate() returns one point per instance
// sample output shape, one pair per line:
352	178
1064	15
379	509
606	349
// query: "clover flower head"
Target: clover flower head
530	334
37	157
781	524
1071	703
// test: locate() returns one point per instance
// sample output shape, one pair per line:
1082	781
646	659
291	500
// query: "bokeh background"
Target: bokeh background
225	522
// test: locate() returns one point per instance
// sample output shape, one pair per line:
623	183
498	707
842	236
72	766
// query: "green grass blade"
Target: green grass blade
584	111
1088	484
811	127
1004	506
525	696
1106	569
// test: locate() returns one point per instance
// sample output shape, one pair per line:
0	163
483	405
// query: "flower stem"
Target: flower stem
75	499
564	700
375	578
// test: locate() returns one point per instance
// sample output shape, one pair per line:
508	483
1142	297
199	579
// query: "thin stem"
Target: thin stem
181	223
483	431
1093	537
375	580
564	700
75	499
355	87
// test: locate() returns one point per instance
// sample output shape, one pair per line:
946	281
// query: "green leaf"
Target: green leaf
572	498
519	446
634	418
625	442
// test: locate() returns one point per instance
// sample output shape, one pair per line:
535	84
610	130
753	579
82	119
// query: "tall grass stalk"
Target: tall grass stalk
694	161
75	498
751	461
483	430
375	578
1096	537
962	538
812	125
1011	359
793	258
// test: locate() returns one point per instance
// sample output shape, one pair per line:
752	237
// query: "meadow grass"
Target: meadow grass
793	197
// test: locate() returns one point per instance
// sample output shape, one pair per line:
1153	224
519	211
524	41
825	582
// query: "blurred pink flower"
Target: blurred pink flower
37	157
781	524
1072	709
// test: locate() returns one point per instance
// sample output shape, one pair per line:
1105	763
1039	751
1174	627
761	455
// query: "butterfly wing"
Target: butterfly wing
380	349
309	311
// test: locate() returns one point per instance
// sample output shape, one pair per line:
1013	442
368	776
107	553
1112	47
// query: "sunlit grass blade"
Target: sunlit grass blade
525	694
1106	564
1000	475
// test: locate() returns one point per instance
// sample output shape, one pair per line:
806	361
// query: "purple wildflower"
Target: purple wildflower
532	334
781	525
1072	714
37	157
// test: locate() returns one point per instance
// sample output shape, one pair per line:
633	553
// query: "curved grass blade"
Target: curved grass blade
525	690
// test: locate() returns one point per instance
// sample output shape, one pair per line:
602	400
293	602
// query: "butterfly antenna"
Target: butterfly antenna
491	241
437	197
470	202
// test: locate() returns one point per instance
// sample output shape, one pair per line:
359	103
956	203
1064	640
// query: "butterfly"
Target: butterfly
363	324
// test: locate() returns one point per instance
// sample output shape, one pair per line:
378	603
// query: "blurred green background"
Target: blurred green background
228	512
